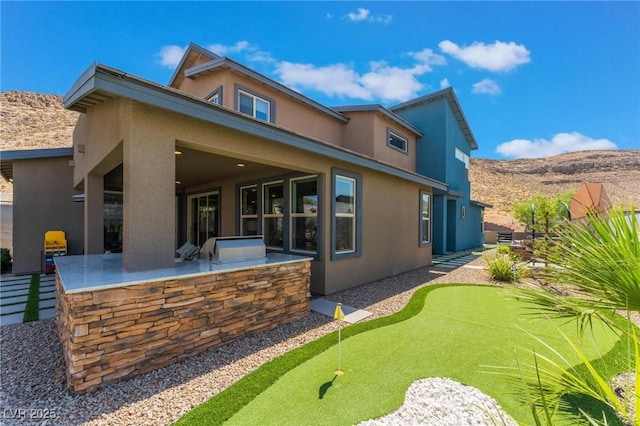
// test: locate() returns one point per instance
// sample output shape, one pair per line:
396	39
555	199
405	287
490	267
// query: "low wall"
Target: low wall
113	334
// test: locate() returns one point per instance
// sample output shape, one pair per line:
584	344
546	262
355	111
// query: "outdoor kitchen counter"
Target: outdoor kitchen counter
99	272
114	324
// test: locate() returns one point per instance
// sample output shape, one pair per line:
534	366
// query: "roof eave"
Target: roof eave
107	83
384	111
450	95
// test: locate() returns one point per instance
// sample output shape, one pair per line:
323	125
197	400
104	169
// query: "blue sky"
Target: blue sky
534	78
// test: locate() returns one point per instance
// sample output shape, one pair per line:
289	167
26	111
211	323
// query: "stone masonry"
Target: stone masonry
117	333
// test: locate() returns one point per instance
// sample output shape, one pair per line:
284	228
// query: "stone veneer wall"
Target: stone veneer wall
114	334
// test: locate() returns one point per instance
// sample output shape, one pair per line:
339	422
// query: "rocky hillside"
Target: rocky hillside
503	182
31	120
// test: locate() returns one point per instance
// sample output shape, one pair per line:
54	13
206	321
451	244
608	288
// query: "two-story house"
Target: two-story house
223	150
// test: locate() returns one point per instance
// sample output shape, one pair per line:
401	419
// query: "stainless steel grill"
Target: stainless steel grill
238	249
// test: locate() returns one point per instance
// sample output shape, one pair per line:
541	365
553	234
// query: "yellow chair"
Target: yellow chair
55	243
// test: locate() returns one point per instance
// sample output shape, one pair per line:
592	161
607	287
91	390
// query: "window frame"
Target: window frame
239	89
294	215
390	133
217	94
243	216
281	215
421	219
462	156
357	215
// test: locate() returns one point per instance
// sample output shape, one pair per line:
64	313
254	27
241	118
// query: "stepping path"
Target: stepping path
13	298
456	259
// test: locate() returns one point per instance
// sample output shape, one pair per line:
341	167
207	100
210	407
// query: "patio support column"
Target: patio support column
93	213
149	199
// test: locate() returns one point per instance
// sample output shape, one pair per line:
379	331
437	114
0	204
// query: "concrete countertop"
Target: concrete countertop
99	272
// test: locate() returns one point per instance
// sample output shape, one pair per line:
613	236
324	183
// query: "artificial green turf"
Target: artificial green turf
32	307
460	329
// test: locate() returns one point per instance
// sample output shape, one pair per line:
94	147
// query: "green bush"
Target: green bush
5	260
500	267
503	249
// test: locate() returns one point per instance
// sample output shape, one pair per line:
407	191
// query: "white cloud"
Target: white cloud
427	57
223	50
559	144
364	15
333	80
170	55
444	83
361	15
499	56
381	81
486	86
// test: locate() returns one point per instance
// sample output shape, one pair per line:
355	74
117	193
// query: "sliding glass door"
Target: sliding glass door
203	216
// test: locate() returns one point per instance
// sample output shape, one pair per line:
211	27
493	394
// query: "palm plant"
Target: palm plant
599	259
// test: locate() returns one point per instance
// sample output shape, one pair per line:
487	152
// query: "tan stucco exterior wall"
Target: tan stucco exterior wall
149	215
42	190
359	133
289	112
390	232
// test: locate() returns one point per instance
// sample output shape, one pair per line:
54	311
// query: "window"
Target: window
249	210
396	141
273	214
345	214
304	214
215	97
460	155
253	105
346	209
425	218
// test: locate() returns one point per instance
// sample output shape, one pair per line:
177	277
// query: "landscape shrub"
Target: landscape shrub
500	267
503	249
5	260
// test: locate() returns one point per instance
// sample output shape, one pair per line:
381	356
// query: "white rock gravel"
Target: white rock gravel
444	402
32	386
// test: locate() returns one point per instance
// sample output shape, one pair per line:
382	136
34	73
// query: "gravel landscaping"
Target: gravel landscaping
33	377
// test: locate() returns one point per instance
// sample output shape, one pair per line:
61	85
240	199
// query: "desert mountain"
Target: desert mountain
31	120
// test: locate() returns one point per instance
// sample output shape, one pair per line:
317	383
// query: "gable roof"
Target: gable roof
193	55
382	110
450	96
100	83
222	62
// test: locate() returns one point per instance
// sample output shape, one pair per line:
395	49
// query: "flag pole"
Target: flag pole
339	316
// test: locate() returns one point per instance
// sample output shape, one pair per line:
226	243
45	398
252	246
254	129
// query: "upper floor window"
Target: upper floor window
215	97
396	141
253	105
462	156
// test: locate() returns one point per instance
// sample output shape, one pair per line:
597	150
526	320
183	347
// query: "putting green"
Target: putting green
459	330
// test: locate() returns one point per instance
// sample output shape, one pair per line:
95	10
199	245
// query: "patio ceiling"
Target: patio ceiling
195	167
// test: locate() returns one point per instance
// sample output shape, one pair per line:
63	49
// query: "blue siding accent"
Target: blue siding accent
436	158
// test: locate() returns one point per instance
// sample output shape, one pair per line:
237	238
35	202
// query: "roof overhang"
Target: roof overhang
385	112
8	157
480	204
100	83
450	95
